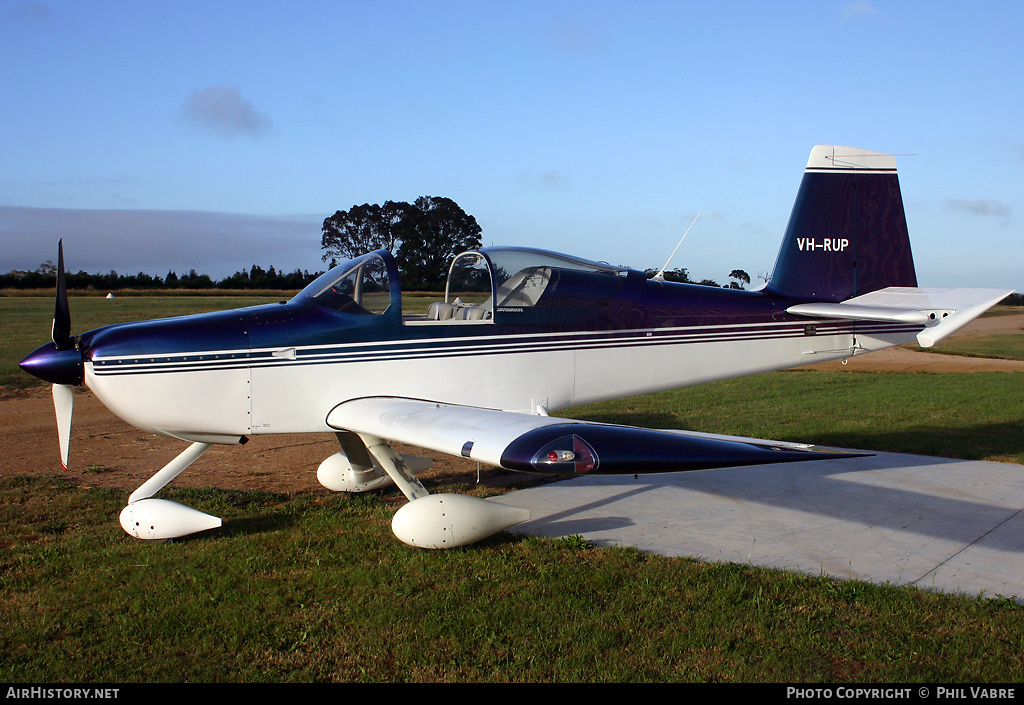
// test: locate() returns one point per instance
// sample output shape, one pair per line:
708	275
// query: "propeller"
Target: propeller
60	331
63	403
63	395
59	362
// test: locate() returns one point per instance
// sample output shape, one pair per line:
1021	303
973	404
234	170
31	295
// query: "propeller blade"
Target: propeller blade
63	402
61	330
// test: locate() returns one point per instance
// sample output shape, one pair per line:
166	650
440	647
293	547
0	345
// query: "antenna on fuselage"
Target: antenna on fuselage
660	276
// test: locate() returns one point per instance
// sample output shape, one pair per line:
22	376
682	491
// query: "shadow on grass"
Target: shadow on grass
242	526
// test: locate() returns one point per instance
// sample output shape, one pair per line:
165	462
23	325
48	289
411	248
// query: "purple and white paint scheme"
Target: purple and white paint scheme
520	333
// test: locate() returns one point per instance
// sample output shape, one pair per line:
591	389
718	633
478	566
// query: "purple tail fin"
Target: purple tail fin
847	234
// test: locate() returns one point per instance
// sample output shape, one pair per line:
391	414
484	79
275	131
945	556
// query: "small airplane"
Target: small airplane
520	333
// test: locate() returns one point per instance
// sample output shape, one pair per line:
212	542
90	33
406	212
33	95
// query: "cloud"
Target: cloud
571	35
29	13
977	207
223	110
857	10
551	180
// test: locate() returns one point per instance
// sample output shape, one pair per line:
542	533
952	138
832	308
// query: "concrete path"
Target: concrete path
949	525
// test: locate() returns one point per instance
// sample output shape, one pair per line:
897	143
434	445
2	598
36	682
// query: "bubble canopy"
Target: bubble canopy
510	276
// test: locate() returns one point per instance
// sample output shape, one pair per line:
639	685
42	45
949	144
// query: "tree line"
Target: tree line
739	278
45	277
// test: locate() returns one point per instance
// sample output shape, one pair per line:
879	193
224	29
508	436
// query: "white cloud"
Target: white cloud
858	9
551	180
571	35
223	110
977	207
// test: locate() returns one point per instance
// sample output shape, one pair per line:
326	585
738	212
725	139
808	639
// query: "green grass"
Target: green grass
977	416
315	588
1008	346
1004	310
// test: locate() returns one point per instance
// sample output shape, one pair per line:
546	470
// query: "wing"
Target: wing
941	311
533	443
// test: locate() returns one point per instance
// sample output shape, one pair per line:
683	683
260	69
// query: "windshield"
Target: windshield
359	286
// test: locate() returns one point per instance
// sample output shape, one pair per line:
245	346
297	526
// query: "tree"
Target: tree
680	274
436	231
740	276
361	229
423	236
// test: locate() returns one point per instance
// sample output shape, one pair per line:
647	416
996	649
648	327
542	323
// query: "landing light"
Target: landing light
566	454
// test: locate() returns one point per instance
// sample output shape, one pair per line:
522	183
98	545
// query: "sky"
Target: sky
159	136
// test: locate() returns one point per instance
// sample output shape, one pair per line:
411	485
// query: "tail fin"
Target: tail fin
847	234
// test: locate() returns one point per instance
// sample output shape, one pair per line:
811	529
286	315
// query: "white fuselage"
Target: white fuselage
292	390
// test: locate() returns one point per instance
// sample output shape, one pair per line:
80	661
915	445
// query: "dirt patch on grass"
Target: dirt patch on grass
107	452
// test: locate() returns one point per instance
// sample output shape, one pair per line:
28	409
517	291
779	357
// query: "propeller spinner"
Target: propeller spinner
59	362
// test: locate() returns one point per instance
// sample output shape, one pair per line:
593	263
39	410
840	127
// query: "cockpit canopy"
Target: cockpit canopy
481	284
496	279
364	285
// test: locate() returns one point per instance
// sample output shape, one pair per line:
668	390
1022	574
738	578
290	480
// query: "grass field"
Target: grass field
1000	347
314	587
977	417
311	588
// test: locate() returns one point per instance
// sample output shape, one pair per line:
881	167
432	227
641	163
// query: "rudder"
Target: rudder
847	234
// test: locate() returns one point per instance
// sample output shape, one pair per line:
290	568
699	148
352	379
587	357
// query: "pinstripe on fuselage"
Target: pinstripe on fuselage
274	384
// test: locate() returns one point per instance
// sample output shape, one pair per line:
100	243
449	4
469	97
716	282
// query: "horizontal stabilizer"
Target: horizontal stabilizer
941	311
546	444
848	311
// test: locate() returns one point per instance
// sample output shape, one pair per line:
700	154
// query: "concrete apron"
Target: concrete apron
949	525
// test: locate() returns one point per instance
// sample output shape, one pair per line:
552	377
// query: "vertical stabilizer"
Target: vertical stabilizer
847	234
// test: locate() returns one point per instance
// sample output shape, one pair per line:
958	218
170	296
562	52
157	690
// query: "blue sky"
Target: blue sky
176	135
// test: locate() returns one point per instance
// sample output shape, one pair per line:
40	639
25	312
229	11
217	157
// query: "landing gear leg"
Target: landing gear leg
390	460
440	520
147	518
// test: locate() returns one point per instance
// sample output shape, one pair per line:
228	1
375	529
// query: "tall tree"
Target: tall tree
741	277
362	229
437	230
423	236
